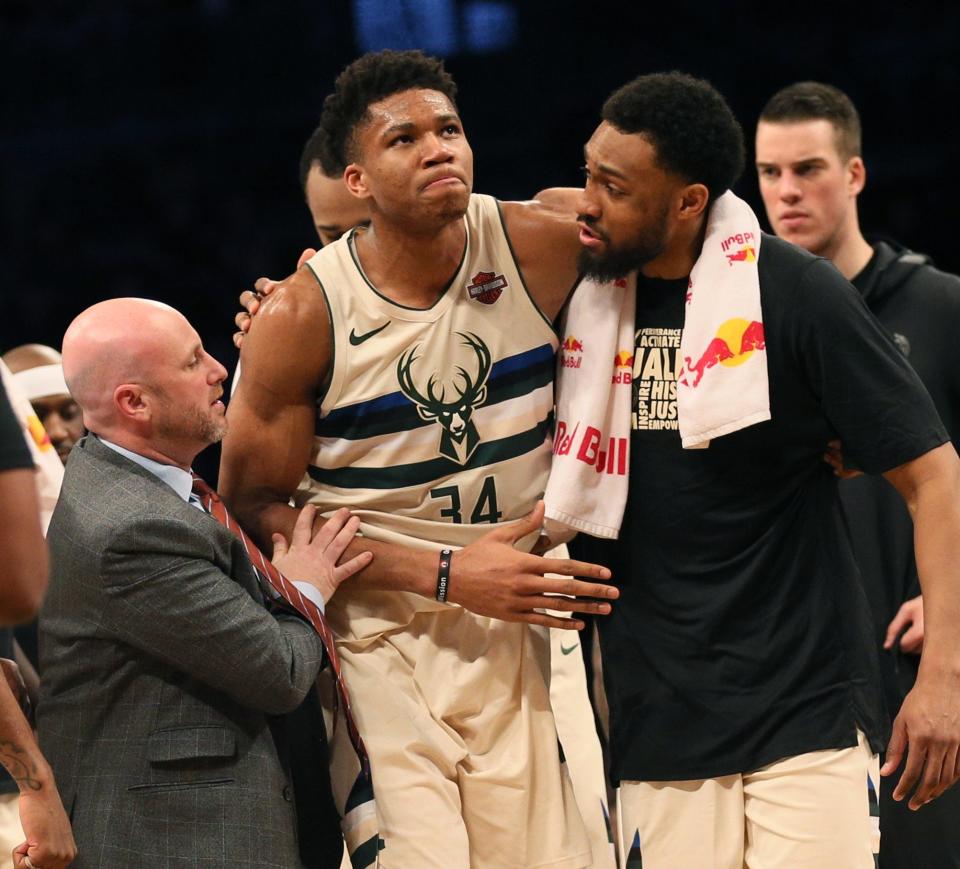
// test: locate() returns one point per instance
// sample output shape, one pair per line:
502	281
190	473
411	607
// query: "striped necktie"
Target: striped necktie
291	594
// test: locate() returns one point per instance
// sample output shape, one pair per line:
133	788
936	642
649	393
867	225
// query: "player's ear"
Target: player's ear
856	175
356	180
693	201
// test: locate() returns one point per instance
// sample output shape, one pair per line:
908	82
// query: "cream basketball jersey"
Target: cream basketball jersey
436	425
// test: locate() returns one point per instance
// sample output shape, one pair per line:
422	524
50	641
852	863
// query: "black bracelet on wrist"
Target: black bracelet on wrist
443	574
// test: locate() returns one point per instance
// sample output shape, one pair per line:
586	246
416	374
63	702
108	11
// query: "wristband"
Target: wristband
443	574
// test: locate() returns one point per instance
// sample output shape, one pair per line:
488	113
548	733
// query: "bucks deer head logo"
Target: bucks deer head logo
459	437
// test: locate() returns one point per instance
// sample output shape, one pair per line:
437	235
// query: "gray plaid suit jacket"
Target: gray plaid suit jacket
160	665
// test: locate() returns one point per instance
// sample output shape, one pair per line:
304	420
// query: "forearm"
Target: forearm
19	752
48	838
936	539
489	577
394	567
23	546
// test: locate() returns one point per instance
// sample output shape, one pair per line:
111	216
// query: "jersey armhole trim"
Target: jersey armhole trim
516	265
325	389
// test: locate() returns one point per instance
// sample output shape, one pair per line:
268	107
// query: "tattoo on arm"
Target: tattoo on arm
17	762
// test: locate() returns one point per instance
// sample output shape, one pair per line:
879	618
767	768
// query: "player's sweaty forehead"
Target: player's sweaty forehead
407	110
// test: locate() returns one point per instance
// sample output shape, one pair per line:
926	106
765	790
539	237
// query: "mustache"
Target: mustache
591	221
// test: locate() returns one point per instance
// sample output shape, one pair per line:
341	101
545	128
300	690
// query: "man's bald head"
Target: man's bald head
111	343
138	370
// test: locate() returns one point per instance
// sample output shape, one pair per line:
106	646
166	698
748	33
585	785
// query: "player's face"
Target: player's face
415	166
625	213
809	191
62	419
335	210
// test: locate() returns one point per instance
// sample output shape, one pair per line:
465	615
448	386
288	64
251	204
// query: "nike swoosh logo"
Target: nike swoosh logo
357	340
564	650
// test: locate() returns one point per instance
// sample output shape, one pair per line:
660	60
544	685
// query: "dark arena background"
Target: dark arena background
150	147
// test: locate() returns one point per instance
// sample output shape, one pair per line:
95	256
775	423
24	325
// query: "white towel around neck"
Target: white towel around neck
722	383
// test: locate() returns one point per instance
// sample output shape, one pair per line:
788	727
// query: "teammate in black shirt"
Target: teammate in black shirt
811	171
740	668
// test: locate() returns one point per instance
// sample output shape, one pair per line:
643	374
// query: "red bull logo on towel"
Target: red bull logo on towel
571	352
622	367
744	255
746	248
735	342
604	455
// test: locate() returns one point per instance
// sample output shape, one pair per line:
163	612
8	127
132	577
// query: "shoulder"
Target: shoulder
780	260
290	338
295	302
107	497
925	282
534	216
98	481
794	281
546	245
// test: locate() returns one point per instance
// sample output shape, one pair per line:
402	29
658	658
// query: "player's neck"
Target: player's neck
849	252
411	271
680	255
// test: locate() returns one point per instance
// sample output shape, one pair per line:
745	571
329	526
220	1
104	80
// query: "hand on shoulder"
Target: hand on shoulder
250	299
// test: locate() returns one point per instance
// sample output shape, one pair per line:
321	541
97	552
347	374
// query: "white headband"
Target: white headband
42	381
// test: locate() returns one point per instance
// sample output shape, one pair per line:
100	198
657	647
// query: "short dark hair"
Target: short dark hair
367	80
689	124
316	152
815	101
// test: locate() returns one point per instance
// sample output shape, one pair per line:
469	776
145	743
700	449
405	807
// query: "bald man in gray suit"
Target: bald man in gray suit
160	662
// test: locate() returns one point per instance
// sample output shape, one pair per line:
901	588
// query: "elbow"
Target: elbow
287	697
249	506
296	674
282	705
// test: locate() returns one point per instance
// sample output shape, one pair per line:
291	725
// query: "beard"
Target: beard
193	425
617	262
212	431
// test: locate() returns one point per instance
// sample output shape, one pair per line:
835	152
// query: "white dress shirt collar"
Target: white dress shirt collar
179	480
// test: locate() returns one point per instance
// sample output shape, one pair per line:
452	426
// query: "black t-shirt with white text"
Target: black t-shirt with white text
742	635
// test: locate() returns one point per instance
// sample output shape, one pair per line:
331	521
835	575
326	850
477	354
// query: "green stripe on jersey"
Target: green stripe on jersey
421	473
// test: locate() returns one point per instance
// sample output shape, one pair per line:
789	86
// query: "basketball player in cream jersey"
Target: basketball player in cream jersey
407	370
335	211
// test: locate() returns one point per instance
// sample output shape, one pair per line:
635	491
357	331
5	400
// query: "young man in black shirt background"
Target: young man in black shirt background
811	171
740	664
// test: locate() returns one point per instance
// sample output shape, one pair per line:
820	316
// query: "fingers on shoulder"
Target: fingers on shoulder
291	332
297	299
